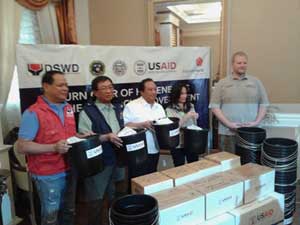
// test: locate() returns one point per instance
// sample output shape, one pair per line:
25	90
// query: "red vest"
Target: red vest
51	130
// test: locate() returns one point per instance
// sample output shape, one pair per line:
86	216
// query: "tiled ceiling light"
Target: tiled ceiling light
198	13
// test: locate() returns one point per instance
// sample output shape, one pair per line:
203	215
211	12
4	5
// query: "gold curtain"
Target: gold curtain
33	4
65	13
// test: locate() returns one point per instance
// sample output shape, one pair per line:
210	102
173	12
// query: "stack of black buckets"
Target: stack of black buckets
134	210
278	153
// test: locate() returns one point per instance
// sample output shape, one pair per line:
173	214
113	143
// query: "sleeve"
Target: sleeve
84	122
162	111
264	101
215	100
171	112
126	114
29	126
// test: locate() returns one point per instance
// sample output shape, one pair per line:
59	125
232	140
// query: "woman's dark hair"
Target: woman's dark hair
175	95
48	76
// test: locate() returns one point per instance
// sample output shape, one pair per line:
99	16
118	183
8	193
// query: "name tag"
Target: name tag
135	146
174	132
91	153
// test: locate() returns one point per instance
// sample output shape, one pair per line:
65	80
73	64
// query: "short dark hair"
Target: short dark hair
175	95
98	80
48	76
143	82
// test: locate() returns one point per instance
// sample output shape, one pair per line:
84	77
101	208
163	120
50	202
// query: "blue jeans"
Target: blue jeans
57	198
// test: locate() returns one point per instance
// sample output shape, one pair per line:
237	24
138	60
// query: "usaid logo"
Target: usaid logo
35	69
162	66
141	67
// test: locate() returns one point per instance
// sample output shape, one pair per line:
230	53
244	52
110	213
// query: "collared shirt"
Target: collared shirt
239	99
138	111
29	123
109	114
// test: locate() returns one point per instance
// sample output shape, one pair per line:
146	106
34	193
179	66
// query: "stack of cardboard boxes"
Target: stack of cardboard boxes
215	190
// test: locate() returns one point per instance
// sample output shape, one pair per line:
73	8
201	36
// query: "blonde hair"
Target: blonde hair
239	53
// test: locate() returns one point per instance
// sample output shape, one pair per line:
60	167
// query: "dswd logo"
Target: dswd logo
35	69
97	68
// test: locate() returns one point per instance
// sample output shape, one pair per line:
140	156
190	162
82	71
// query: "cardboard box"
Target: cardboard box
222	192
259	181
205	167
151	183
180	205
181	174
269	210
226	159
224	219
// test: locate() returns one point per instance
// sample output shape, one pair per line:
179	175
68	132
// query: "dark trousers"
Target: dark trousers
180	154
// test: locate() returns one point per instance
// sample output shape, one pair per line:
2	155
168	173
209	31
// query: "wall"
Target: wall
118	22
269	32
206	40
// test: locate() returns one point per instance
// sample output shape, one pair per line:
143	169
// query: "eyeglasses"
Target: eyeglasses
104	88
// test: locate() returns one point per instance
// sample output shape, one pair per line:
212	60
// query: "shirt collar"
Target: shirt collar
243	77
63	104
145	103
104	106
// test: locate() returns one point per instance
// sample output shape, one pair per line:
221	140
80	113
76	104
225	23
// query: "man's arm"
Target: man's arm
260	116
129	120
30	147
85	126
223	119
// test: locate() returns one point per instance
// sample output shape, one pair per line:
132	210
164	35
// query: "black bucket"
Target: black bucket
168	134
195	141
281	154
86	156
134	150
249	142
135	210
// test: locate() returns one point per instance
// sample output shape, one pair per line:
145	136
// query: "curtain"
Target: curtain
33	4
65	13
48	25
10	14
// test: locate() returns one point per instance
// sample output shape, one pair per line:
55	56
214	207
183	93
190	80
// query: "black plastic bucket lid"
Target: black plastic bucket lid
86	156
168	134
195	141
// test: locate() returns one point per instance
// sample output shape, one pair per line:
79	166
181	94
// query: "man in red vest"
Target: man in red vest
45	127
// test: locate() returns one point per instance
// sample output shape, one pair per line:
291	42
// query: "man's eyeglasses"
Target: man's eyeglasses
104	88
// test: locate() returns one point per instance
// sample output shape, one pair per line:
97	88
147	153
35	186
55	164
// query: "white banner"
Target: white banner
125	65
